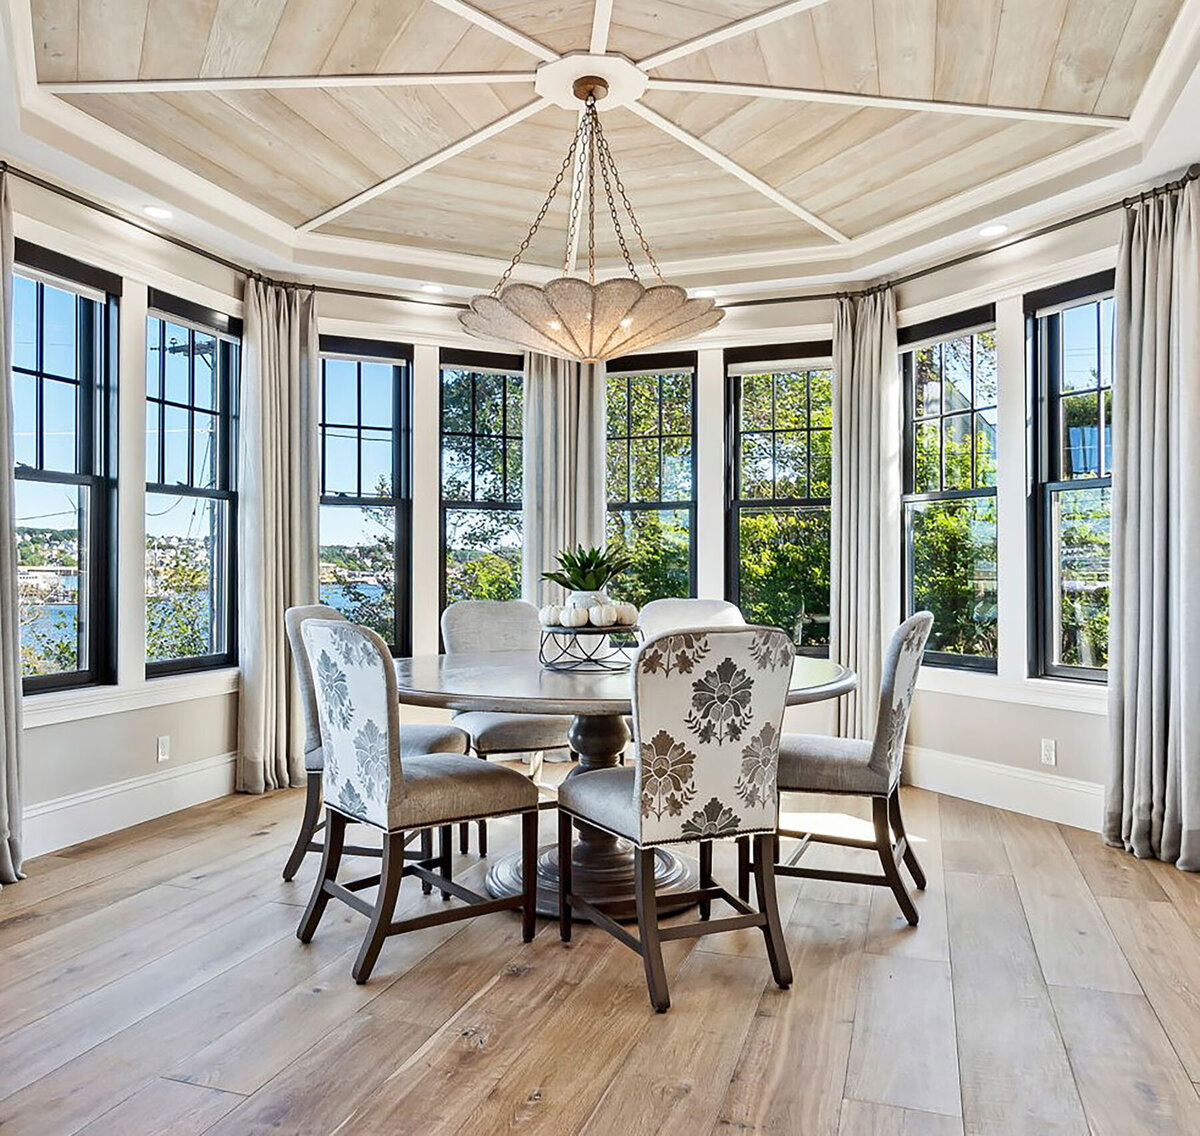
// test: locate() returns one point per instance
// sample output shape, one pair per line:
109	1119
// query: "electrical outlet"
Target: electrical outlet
1049	751
164	748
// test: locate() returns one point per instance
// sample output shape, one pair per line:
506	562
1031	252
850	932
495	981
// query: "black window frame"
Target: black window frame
96	454
630	367
400	357
815	356
227	330
1043	311
911	338
482	362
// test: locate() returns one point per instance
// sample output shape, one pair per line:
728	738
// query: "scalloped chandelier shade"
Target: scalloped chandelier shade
580	319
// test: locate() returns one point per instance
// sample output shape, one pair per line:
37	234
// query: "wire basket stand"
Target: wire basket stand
589	648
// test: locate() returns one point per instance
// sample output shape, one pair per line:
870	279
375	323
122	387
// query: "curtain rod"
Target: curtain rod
1192	173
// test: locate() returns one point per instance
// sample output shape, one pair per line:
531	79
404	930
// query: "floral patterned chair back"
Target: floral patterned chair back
707	712
293	620
898	685
359	709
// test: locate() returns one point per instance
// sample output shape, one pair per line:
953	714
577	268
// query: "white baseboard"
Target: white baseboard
1064	800
50	825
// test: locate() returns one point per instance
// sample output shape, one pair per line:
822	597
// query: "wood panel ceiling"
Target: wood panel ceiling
766	126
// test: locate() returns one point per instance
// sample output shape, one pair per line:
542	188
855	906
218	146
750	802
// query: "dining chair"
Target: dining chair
475	626
811	763
414	738
678	614
708	711
367	780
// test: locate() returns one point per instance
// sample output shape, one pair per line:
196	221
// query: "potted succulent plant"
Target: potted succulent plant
585	573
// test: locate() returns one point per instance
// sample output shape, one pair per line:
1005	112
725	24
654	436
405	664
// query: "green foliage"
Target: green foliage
588	569
783	570
483	554
179	603
345	568
1082	546
658	546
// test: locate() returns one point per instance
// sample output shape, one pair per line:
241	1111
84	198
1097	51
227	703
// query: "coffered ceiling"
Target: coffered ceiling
809	130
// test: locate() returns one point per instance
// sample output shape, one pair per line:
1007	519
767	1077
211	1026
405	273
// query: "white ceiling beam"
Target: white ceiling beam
601	22
498	28
740	172
729	31
847	98
283	82
424	165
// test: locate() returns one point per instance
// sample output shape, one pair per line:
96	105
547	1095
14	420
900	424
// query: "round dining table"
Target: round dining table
599	702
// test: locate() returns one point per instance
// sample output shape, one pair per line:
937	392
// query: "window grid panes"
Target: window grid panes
650	481
950	495
481	483
781	474
62	498
1075	359
191	391
366	516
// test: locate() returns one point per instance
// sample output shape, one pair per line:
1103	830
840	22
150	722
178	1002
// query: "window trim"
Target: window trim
812	356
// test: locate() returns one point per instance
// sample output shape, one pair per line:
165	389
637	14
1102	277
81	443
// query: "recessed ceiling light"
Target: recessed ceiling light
434	289
157	212
995	230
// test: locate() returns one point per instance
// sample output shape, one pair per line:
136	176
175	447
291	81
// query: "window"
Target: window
192	364
950	391
651	474
482	401
64	322
366	485
1073	364
779	478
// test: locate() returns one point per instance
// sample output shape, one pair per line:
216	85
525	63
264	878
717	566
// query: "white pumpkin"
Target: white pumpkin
549	615
603	615
574	616
627	614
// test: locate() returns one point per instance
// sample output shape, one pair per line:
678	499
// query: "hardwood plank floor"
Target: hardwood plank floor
151	983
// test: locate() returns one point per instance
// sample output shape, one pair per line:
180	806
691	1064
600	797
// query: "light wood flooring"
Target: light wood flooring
150	982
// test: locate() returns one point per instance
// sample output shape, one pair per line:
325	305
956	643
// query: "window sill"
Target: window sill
1054	694
57	706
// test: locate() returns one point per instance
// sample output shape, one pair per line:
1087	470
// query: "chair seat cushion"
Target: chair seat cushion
436	737
444	787
812	763
604	796
513	733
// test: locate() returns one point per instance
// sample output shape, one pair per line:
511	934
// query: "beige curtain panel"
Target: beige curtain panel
1153	804
277	524
10	627
563	465
865	536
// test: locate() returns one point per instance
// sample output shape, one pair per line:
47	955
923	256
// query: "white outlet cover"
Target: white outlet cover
164	747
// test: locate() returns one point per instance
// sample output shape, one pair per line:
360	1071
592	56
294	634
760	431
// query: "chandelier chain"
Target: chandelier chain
637	228
576	199
591	180
616	220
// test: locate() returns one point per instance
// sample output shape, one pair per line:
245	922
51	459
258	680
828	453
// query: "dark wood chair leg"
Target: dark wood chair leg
464	837
768	904
482	837
706	876
331	858
647	916
910	857
390	874
743	849
529	854
566	834
445	858
308	826
426	854
891	870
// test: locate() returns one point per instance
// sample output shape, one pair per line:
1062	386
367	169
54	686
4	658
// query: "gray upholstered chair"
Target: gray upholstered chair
367	780
708	709
473	626
659	616
810	763
414	738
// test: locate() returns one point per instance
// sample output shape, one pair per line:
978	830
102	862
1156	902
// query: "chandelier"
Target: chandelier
580	319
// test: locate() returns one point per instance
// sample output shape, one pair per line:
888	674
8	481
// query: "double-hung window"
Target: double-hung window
366	485
64	335
949	483
651	473
482	399
1071	333
780	467
192	366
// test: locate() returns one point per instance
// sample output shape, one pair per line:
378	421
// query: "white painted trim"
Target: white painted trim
710	474
498	28
740	172
425	164
1063	800
59	823
131	487
728	31
53	707
1012	512
426	504
601	23
1048	693
891	102
284	82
